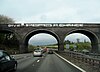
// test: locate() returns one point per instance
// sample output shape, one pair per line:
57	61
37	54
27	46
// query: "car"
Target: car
37	53
7	62
85	51
50	51
44	50
39	48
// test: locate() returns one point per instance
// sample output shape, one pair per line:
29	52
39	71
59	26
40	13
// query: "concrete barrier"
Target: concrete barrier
70	63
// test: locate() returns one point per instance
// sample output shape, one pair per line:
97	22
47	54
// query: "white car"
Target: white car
37	53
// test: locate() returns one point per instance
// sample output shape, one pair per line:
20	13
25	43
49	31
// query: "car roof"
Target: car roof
2	51
37	50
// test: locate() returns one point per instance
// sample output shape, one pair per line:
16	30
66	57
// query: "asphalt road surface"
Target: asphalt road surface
47	63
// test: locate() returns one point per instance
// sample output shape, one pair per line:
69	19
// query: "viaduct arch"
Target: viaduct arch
32	33
94	39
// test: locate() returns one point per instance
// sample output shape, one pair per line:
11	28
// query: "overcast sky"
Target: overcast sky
47	39
52	11
42	39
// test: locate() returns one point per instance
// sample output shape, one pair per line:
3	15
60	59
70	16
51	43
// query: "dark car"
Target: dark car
50	51
7	63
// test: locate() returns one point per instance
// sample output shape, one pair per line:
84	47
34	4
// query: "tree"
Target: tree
78	40
7	39
5	19
82	45
67	42
4	37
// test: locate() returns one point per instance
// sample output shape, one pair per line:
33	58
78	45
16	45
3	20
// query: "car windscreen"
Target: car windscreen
1	54
37	51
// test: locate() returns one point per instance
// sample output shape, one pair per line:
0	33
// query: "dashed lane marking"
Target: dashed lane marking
38	60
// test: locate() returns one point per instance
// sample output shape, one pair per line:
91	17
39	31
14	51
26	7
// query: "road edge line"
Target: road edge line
70	62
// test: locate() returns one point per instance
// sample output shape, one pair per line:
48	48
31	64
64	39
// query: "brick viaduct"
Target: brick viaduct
25	31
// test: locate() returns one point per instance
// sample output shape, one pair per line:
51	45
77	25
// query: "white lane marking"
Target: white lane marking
38	60
70	63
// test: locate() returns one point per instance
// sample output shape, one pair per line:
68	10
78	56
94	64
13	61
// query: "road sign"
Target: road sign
74	46
67	46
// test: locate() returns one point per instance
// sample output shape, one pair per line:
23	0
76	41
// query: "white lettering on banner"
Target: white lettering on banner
46	25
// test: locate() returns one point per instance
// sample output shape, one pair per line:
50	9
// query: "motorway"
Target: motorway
47	63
